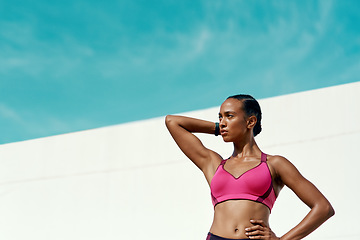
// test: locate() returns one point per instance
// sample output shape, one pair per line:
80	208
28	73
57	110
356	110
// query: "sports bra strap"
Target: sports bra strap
263	157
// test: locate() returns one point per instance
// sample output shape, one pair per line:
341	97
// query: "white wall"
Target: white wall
130	181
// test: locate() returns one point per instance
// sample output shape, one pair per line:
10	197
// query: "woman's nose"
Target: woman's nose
222	122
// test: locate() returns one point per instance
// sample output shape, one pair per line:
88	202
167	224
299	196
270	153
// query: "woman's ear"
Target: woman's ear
251	122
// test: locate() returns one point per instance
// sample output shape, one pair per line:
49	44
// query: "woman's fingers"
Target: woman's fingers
255	233
256	230
260	222
259	231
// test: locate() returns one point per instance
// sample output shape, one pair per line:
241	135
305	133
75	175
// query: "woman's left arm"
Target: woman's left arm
321	209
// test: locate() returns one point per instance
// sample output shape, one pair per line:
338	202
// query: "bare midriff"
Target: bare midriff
233	216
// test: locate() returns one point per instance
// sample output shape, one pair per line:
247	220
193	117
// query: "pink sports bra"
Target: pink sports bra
254	184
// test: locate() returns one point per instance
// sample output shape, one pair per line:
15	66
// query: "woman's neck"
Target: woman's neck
246	148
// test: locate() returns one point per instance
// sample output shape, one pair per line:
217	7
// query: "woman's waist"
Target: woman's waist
233	232
233	216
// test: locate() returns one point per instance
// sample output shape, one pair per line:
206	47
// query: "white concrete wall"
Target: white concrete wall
130	181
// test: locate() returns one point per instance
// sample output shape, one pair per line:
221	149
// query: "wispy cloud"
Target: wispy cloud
10	114
29	124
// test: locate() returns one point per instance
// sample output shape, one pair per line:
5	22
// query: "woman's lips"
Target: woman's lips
223	132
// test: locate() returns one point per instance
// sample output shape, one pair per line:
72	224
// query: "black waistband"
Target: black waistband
215	237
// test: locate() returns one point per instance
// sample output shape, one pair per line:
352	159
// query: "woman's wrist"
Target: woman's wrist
217	129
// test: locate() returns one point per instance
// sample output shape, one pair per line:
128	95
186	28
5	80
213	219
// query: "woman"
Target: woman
244	187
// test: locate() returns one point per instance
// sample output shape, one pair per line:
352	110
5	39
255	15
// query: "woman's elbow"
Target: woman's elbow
327	210
171	121
331	211
168	119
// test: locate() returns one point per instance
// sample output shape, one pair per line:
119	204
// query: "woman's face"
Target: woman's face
233	121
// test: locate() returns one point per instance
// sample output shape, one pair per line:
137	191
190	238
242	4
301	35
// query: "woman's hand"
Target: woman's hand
260	231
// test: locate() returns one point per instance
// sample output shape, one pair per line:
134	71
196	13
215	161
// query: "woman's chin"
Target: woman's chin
226	139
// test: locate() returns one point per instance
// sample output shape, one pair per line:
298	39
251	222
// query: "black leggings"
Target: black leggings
211	236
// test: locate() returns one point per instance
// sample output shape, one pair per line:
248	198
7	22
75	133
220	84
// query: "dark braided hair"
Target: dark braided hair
251	108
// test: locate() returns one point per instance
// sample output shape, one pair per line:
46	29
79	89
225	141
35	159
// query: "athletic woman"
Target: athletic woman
244	187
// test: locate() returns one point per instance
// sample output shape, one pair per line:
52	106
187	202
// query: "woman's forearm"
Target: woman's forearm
191	124
317	216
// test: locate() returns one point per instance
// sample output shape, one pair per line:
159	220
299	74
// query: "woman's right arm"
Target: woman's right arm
182	128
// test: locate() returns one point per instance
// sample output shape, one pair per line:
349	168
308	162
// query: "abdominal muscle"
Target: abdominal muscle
233	216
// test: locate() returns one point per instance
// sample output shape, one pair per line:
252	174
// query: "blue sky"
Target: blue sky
67	66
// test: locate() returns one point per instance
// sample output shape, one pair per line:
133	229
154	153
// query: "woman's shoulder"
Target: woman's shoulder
280	164
276	159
